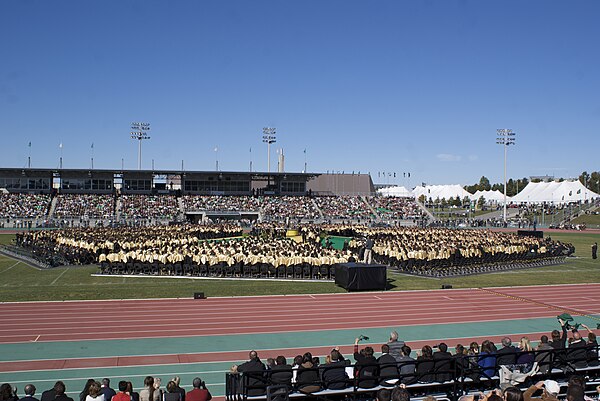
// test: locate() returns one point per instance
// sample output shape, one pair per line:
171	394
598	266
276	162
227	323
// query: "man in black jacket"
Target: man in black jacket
388	369
29	393
254	369
60	392
281	372
334	373
443	363
50	395
507	355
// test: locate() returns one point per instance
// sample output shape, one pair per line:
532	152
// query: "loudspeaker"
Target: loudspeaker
199	295
446	286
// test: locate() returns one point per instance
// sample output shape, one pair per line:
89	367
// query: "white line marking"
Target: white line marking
449	299
37	338
312	296
59	276
7	269
376	297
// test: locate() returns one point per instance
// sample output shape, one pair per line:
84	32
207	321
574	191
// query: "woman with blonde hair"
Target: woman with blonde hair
526	356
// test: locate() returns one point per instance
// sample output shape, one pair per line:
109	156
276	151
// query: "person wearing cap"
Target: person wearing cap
550	390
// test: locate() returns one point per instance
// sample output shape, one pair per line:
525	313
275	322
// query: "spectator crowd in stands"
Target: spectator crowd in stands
14	206
520	370
221	203
82	205
149	206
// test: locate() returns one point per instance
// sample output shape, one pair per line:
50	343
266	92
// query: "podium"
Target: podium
361	276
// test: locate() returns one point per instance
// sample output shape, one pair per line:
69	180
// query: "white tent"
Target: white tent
554	192
441	192
490	196
400	192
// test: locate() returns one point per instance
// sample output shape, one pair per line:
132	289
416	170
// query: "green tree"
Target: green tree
480	202
484	184
585	178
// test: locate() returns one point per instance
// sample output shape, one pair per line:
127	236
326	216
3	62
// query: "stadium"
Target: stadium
318	200
281	233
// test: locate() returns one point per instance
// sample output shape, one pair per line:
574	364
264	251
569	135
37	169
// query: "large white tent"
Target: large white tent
554	192
490	196
441	192
400	192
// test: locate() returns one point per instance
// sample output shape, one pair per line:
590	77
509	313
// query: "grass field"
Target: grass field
20	282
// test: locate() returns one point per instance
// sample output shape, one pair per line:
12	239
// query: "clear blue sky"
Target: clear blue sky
397	86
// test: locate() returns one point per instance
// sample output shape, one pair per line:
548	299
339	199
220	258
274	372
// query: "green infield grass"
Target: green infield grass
21	282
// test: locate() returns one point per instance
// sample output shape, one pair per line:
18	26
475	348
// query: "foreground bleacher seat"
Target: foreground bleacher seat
445	379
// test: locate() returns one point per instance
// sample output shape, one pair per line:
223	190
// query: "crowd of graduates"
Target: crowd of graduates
267	251
444	251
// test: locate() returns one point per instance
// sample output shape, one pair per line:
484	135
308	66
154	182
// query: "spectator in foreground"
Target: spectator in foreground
95	392
512	394
135	396
388	370
384	395
7	393
122	394
50	395
400	394
86	389
60	392
172	394
199	393
425	365
108	392
334	373
487	359
550	390
366	366
308	375
281	372
395	346
29	393
177	381
252	367
148	393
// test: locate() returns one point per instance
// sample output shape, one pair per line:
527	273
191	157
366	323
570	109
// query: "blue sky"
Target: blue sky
394	86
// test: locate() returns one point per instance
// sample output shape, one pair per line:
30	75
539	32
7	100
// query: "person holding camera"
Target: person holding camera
199	393
550	390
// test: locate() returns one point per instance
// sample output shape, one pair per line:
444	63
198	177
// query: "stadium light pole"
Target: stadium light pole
140	132
269	137
505	137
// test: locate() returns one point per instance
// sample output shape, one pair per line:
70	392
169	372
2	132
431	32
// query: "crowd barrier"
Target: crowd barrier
444	378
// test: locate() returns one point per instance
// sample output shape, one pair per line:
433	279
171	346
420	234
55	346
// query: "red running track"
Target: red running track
77	321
